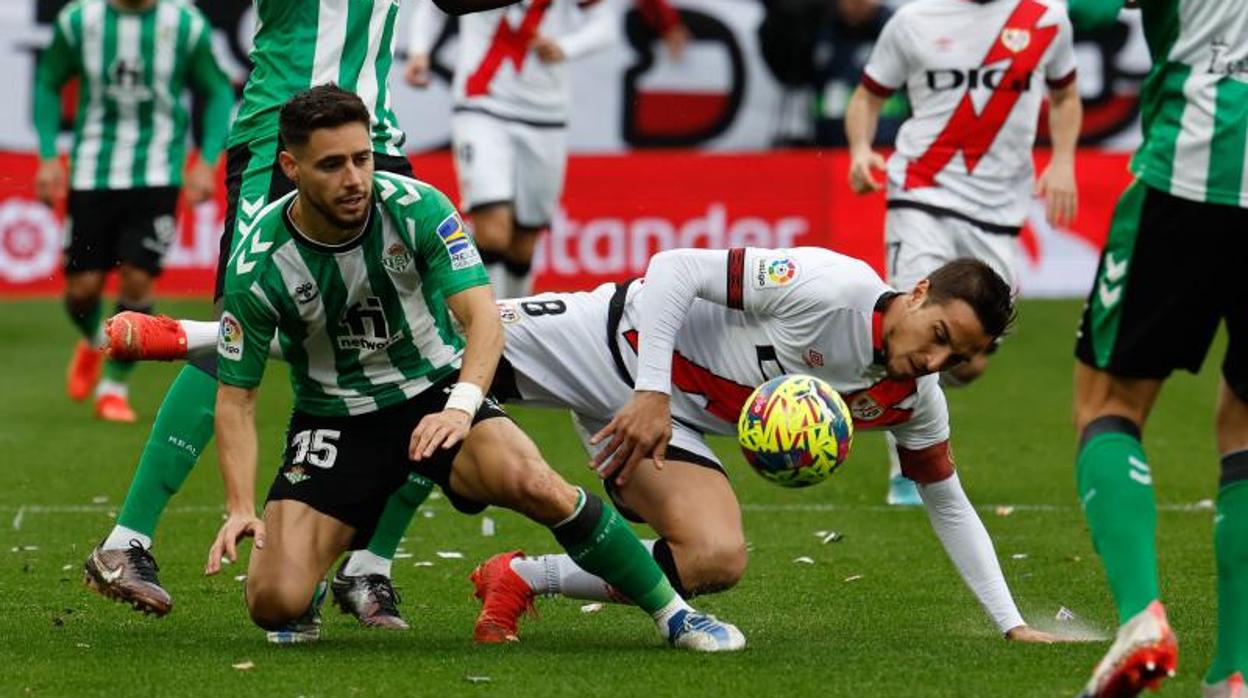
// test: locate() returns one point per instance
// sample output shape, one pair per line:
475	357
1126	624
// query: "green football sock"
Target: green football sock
397	516
1116	489
182	429
85	317
601	543
1230	544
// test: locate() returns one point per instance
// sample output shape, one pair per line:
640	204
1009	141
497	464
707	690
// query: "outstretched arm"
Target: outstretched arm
964	538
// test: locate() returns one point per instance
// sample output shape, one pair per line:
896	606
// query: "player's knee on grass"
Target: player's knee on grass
274	603
713	564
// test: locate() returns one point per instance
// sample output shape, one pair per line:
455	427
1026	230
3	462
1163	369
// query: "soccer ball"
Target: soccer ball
795	430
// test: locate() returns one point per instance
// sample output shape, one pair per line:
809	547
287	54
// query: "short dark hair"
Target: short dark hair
975	283
323	106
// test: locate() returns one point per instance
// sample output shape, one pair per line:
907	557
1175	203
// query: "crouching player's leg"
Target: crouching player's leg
689	504
499	465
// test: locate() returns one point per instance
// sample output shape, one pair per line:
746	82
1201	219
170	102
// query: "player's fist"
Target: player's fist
237	526
862	166
417	72
548	50
50	181
200	182
439	430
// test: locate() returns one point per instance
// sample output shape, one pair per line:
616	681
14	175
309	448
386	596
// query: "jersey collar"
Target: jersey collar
879	356
347	246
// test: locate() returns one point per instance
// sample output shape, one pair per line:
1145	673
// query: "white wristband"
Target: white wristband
465	397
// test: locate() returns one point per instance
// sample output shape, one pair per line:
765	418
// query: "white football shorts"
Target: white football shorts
500	160
916	243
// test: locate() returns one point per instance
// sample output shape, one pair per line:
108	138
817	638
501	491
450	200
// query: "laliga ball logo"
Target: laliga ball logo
781	271
230	342
795	430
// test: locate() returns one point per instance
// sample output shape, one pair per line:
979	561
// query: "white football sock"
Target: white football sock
363	563
107	386
549	575
663	615
120	537
200	334
894	461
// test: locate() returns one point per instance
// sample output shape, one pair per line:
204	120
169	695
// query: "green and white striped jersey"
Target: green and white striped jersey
304	43
363	325
1194	102
133	65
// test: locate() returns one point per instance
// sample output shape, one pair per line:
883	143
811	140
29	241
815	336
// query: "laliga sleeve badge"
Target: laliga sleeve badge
508	313
230	338
774	272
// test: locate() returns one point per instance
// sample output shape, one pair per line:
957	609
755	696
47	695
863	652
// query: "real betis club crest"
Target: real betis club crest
1015	39
396	258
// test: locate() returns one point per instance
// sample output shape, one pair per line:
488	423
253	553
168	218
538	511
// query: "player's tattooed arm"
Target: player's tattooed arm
483	346
237	450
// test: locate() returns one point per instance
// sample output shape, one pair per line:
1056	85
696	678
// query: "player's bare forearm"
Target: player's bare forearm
483	334
236	447
1065	120
463	7
862	117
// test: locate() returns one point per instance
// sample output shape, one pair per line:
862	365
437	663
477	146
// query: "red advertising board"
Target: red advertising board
617	211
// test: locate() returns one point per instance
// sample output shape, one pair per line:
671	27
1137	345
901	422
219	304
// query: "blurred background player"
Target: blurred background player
1169	274
133	60
510	123
298	43
961	179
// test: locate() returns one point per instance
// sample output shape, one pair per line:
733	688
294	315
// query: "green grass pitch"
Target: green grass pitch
905	625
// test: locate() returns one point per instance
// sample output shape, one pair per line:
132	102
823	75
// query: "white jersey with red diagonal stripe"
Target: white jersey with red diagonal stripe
803	310
497	71
974	73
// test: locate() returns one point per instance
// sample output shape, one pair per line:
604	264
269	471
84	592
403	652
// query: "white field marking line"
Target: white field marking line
1194	507
17	518
90	509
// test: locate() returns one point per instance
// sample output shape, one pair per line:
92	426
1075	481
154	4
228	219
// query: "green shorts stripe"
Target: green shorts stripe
1105	301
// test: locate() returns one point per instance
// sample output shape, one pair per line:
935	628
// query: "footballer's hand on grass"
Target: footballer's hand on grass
862	166
1056	185
417	72
439	430
237	526
1026	633
641	430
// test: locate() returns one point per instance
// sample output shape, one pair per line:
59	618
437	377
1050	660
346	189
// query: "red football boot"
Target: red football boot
140	337
84	371
504	598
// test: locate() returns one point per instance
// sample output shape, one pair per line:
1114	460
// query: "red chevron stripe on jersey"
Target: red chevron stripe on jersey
507	44
974	133
724	397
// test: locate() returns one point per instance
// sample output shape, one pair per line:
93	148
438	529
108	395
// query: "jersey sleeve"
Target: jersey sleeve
1059	71
207	77
929	419
888	66
248	323
449	257
791	282
58	62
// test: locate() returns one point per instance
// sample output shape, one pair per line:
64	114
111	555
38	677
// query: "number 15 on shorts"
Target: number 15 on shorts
315	447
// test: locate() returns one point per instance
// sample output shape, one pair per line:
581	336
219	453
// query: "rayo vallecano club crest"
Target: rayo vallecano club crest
1015	39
